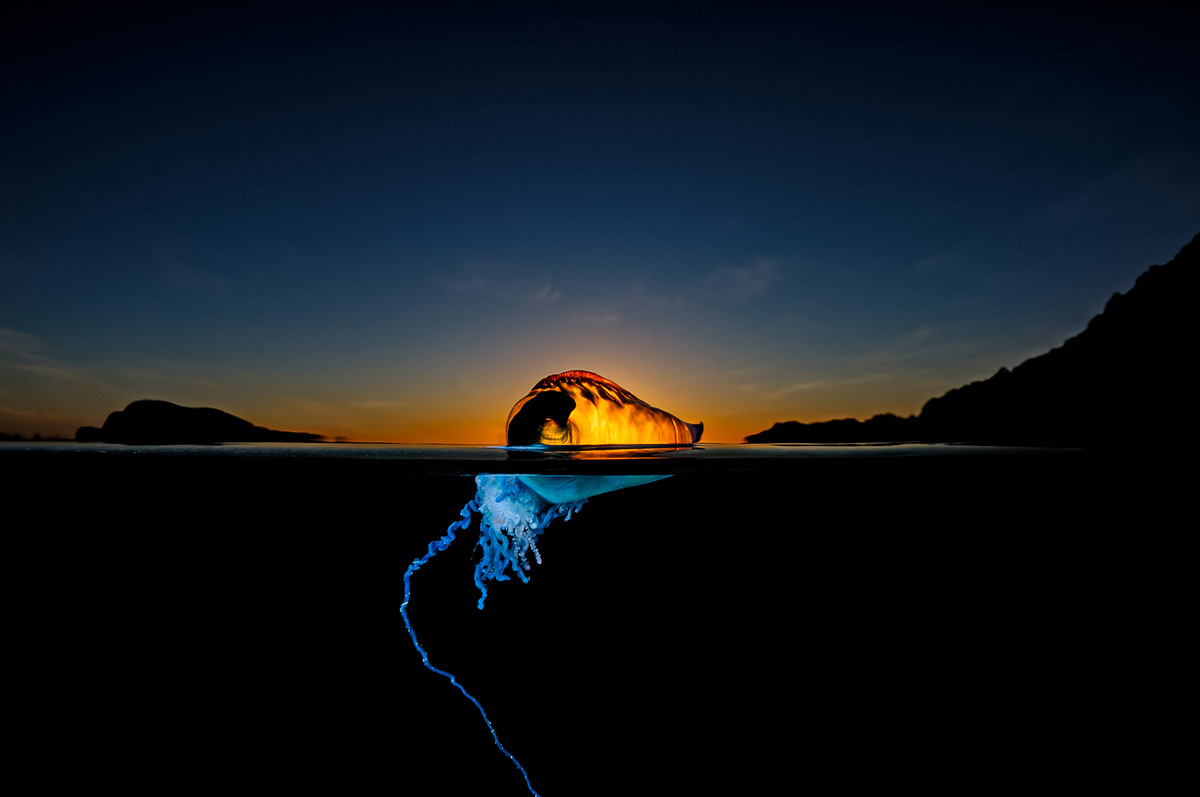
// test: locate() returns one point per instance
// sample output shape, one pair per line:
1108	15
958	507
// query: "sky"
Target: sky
387	222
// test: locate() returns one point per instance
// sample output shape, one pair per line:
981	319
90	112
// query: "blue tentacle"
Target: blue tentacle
434	547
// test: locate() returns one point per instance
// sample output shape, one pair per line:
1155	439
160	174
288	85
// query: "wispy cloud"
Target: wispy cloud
930	343
544	295
41	422
501	280
643	297
778	393
926	352
477	276
1111	194
15	343
311	406
601	318
904	346
744	282
23	352
744	371
187	277
943	262
42	378
160	375
379	405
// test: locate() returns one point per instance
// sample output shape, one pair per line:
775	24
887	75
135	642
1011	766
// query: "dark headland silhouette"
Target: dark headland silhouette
1122	381
149	422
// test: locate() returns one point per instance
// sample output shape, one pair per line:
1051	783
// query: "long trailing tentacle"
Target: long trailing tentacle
435	547
511	520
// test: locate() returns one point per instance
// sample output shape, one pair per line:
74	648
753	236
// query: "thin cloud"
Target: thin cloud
601	318
631	302
641	298
799	387
191	279
927	342
1113	194
379	405
499	280
23	352
942	262
171	376
544	296
471	282
744	282
745	371
15	343
912	340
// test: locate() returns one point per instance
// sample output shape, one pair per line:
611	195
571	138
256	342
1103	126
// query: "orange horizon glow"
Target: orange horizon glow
478	428
454	408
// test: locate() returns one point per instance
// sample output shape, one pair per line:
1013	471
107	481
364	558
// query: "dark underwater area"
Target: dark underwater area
942	622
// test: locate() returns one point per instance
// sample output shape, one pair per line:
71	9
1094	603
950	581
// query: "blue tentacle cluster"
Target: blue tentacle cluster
506	505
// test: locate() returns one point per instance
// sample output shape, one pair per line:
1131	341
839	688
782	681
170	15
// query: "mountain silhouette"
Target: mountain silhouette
881	428
1120	382
149	422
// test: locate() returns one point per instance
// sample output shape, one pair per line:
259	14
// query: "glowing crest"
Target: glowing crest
579	408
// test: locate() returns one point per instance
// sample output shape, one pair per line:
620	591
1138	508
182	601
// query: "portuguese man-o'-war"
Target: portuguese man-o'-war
575	411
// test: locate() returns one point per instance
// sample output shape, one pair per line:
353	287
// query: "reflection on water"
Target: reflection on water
672	458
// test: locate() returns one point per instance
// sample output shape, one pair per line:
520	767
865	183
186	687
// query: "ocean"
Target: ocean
863	616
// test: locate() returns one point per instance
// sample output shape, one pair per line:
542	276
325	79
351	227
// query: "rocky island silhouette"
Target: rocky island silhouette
1117	383
151	422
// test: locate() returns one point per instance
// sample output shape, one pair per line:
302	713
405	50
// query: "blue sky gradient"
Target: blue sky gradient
388	224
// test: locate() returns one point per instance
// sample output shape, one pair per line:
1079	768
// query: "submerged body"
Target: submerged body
566	489
579	408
